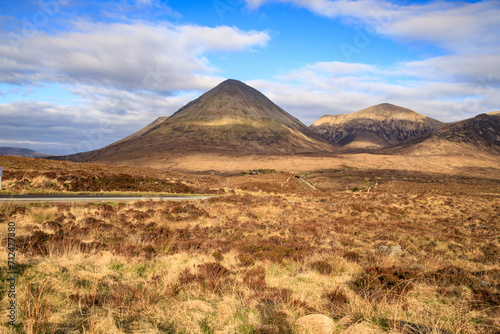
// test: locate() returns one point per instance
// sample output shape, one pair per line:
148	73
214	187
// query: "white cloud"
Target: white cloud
128	56
125	75
456	68
455	26
459	84
105	116
222	38
336	88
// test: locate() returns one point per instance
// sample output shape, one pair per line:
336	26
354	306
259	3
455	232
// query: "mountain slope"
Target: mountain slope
231	118
374	127
480	134
21	152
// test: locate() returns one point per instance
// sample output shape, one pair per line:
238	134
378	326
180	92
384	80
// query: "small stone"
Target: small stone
384	249
315	324
391	250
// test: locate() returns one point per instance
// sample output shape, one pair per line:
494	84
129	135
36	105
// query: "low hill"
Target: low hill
21	152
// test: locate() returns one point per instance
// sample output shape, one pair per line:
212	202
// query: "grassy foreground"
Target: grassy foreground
254	262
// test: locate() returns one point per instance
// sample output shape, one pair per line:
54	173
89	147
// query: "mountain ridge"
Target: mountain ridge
374	127
479	134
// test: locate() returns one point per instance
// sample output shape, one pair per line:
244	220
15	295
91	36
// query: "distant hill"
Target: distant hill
21	152
378	126
231	118
480	134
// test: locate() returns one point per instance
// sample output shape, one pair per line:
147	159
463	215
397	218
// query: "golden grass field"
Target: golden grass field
267	252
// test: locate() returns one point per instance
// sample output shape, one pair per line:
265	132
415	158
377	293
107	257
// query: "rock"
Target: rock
391	250
315	324
364	328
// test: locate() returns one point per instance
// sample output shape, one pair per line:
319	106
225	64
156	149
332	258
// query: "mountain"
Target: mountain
471	137
230	118
374	127
21	152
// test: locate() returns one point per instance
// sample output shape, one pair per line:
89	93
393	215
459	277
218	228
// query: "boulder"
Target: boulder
315	324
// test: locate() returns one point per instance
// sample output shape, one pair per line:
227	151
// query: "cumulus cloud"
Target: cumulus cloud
128	56
125	74
455	26
456	68
459	84
104	116
337	88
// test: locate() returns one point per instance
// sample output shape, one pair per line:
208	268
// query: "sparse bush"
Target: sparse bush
218	256
213	270
352	256
337	302
273	321
322	267
255	279
246	260
385	283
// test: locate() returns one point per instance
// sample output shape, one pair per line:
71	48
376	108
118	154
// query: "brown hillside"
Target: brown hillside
472	137
21	152
374	127
231	118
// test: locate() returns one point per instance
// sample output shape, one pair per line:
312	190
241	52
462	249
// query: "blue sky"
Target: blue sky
77	75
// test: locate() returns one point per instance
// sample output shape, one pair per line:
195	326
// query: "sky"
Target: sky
77	75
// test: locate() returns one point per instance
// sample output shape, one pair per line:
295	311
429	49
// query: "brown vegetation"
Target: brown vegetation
257	260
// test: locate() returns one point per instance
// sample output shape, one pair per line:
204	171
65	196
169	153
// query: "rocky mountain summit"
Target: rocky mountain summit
374	127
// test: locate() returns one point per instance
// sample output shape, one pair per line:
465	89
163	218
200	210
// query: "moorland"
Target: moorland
375	246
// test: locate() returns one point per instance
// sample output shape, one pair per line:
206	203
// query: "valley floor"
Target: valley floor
467	165
372	249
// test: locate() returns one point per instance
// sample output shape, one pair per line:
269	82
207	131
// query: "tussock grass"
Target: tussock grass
254	262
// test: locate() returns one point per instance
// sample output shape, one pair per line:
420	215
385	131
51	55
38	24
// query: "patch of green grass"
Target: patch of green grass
117	266
40	218
141	270
205	327
246	329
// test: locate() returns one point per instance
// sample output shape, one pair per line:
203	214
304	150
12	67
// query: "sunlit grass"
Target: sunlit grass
255	263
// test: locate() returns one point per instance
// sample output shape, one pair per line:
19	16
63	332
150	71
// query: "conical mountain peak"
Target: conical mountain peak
232	118
233	82
232	100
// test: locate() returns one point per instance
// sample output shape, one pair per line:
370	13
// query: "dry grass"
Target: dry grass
256	260
34	176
